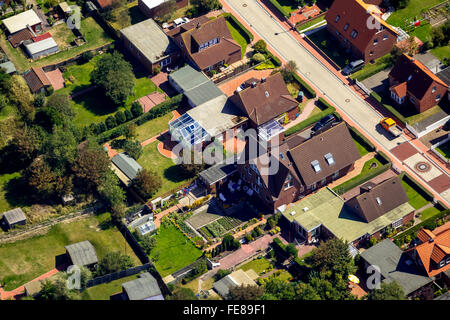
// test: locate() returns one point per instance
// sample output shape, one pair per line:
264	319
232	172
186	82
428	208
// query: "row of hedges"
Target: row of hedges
309	121
416	186
239	26
424	224
380	65
278	245
280	8
275	60
362	140
346	186
157	111
310	93
390	108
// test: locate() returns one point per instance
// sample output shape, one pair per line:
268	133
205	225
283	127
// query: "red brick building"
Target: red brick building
300	166
207	44
359	28
414	84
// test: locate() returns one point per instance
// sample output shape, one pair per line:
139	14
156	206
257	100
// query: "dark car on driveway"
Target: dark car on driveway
324	124
353	67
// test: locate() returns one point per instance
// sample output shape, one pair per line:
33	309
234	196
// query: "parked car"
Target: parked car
324	124
178	22
353	67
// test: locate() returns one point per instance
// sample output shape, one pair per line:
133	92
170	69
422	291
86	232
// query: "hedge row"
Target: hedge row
280	246
275	60
390	108
280	8
361	139
309	121
380	64
417	227
310	92
239	26
416	186
157	111
346	186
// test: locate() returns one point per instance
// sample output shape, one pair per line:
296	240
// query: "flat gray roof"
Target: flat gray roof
14	216
142	288
127	165
217	172
150	40
188	78
82	253
395	266
203	93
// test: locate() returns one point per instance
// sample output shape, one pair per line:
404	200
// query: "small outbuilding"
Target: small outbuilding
37	80
41	48
125	167
65	9
144	288
32	288
82	254
14	218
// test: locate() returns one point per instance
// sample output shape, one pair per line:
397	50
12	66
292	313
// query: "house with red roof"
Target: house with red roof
410	82
432	253
358	26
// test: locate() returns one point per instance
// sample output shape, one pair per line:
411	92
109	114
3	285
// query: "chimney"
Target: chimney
263	79
253	84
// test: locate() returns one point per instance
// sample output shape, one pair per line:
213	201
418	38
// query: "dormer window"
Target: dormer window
316	166
337	18
379	201
289	182
208	43
434	89
442	263
385	37
346	27
354	34
266	94
330	159
375	42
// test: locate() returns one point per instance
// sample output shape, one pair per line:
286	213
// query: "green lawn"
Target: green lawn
79	75
444	149
288	5
5	201
326	43
170	173
258	265
95	37
173	250
428	213
415	199
365	170
153	127
25	260
310	23
362	150
106	290
238	38
414	8
372	68
441	52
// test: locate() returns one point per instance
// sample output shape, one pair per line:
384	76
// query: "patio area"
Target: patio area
56	79
149	101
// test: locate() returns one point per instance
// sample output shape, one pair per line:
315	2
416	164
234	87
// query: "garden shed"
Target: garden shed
14	217
82	254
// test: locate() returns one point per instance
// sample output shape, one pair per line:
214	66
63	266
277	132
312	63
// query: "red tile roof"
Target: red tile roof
17	38
36	79
435	247
400	89
42	37
415	75
104	3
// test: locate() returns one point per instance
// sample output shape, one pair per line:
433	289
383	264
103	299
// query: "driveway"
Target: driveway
378	82
290	46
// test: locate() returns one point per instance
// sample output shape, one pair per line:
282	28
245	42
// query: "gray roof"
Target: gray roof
150	40
8	66
217	172
395	266
43	45
224	285
82	253
444	75
203	93
187	78
127	165
445	296
14	216
142	288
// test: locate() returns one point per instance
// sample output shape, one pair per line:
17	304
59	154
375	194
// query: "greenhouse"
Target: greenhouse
187	131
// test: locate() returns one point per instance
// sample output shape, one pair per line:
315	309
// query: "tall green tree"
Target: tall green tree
115	76
60	148
387	291
113	262
244	292
91	165
147	182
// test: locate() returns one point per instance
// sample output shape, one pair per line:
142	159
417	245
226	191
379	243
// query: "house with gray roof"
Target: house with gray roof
396	265
144	288
13	218
148	44
82	254
125	167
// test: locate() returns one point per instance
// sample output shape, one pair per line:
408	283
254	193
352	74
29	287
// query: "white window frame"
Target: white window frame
166	62
397	223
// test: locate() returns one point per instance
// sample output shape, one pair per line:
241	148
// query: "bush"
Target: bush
310	93
136	109
120	117
260	46
128	115
101	127
86	56
258	57
110	122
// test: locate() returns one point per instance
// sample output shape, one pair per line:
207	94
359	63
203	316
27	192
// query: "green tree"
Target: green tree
148	242
229	243
204	6
292	250
387	291
110	190
41	178
91	165
115	76
136	109
20	95
114	262
111	122
60	102
181	293
288	71
246	292
147	182
260	46
133	149
60	148
120	117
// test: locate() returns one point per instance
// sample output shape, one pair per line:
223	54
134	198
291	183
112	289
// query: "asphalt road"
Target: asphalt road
287	47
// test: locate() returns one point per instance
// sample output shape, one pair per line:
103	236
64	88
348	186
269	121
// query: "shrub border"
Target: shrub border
280	8
236	24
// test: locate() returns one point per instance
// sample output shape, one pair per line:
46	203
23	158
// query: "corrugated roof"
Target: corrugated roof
143	288
14	216
21	20
127	165
37	47
82	253
150	40
393	267
188	78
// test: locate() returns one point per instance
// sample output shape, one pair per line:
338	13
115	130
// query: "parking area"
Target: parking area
378	82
